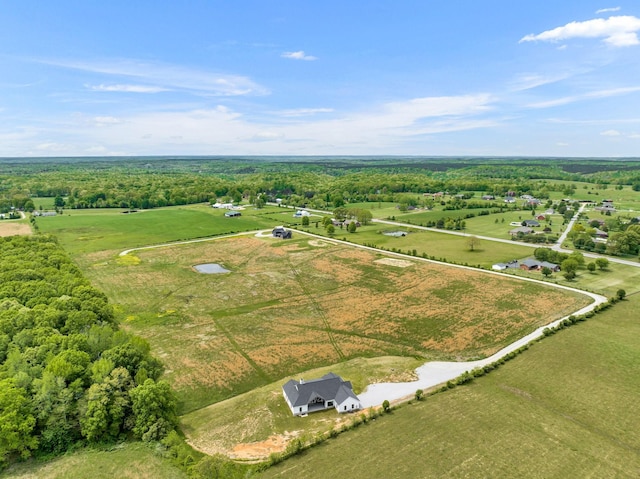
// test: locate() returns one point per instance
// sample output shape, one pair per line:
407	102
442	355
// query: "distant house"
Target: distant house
44	213
540	217
532	202
510	199
535	265
348	222
329	391
222	206
488	197
600	234
550	211
525	230
607	205
531	223
504	266
281	232
232	214
301	213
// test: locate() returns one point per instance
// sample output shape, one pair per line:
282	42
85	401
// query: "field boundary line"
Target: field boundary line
197	240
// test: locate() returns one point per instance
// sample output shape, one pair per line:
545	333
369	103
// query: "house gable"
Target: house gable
319	394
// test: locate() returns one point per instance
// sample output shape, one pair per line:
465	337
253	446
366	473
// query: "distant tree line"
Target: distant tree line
152	183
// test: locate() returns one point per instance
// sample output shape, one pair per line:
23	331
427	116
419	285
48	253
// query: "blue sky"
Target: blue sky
465	77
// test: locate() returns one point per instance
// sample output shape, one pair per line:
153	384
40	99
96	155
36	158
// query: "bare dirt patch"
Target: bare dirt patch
400	263
260	449
14	229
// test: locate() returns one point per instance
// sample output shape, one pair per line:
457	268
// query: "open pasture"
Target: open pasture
566	408
92	230
290	306
125	461
454	248
498	225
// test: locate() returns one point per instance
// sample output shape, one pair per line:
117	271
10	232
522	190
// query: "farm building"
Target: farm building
329	391
531	223
301	213
281	232
535	265
522	229
232	214
223	206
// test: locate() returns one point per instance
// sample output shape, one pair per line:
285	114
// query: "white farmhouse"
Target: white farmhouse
329	391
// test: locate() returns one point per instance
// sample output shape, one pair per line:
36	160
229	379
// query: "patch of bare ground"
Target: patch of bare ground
260	450
400	263
14	229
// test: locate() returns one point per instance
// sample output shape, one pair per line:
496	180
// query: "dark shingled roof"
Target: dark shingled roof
329	387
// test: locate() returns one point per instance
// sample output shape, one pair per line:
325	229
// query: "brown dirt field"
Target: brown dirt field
14	229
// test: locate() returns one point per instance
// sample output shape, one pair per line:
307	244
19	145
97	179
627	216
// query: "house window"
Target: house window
330	404
345	408
300	409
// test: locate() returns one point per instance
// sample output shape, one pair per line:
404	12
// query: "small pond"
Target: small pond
210	268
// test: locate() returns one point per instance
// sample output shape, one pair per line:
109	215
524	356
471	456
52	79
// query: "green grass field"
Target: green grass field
567	407
126	461
93	230
453	248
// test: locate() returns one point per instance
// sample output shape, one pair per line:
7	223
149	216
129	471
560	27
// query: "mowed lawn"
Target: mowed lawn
567	407
290	306
93	230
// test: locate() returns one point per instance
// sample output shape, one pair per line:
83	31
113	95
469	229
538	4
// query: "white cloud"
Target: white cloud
562	143
303	112
52	147
127	88
619	31
162	76
634	135
106	120
96	150
607	10
587	96
527	81
610	133
221	130
267	136
299	55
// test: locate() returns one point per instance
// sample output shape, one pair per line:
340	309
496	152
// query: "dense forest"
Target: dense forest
67	373
315	182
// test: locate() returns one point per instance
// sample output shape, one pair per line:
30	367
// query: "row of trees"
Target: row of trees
132	183
67	373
